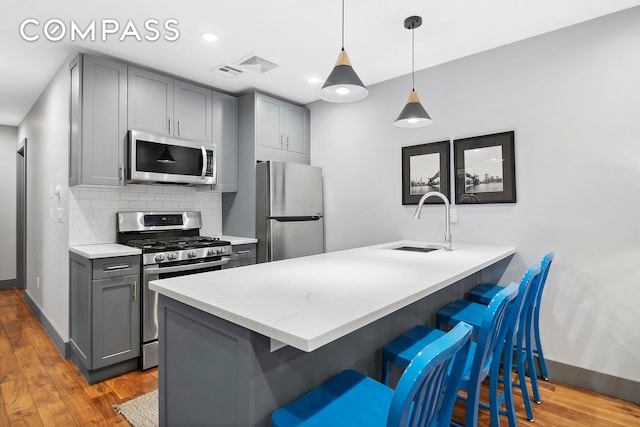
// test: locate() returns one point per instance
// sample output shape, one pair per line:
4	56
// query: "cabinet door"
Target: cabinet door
225	131
269	121
296	128
192	112
103	123
116	320
150	102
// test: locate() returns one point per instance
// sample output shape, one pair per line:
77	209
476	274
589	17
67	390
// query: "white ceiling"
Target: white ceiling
303	37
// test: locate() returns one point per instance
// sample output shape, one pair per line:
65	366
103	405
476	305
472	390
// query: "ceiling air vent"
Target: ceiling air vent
256	64
227	70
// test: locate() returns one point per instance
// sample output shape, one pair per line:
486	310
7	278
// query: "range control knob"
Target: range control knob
192	254
159	258
212	252
171	256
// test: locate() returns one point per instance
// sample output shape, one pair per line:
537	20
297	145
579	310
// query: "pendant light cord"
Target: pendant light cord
342	24
413	55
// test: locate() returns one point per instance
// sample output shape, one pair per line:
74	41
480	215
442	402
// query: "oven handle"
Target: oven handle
187	267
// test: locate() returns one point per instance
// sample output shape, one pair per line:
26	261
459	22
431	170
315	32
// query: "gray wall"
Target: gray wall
572	98
8	140
46	127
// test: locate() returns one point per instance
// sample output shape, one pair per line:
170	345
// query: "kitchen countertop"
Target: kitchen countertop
235	240
104	250
310	301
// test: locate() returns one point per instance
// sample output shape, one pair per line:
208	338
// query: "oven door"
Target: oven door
157	158
150	300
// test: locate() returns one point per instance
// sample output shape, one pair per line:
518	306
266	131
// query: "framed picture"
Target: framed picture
485	169
425	168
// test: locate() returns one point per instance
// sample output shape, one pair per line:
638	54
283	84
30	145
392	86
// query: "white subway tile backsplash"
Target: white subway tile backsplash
109	195
155	189
155	205
100	204
137	205
137	188
92	210
121	205
129	196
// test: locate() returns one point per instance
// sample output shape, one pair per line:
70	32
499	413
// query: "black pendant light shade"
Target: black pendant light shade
413	114
343	84
166	156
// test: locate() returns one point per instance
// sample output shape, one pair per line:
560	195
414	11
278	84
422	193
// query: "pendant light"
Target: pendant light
343	84
413	114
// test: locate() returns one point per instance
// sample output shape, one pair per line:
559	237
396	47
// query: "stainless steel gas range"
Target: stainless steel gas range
171	246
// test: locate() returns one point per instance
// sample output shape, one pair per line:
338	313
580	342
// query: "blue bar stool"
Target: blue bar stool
485	292
480	362
473	312
425	395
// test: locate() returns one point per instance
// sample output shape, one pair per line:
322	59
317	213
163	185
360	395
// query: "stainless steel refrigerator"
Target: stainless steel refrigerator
289	210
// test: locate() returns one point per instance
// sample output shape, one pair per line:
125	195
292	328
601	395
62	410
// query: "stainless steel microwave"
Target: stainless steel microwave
163	159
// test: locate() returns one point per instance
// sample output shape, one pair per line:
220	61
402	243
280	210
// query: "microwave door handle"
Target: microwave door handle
214	160
204	162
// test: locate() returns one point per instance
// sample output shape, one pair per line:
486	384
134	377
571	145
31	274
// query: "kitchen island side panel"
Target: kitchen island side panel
213	372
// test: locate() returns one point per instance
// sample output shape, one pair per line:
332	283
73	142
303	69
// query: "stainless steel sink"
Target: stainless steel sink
415	249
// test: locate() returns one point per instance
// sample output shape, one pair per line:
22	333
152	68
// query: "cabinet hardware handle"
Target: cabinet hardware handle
122	172
281	141
169	120
134	286
117	267
178	127
287	142
243	252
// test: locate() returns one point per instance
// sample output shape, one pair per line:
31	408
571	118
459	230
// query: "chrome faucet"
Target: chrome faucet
447	215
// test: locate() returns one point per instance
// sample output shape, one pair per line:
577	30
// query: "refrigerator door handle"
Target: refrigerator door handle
295	218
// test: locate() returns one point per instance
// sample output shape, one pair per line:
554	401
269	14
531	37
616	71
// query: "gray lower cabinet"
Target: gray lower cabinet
242	255
104	315
98	121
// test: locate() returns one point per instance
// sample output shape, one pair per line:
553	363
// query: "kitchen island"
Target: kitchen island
237	344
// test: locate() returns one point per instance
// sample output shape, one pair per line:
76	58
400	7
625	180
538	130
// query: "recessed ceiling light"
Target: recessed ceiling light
314	80
209	37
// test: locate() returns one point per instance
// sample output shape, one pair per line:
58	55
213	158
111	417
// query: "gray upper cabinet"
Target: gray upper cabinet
150	102
296	128
269	117
162	105
281	125
98	121
225	138
192	111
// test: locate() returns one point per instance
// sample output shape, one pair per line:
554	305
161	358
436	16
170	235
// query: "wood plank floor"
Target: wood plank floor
39	388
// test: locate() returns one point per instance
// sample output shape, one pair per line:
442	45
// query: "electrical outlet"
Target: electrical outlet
37	283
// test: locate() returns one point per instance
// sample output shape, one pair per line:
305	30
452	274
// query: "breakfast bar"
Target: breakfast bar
237	344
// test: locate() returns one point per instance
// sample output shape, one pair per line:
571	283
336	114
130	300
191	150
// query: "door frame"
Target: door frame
21	216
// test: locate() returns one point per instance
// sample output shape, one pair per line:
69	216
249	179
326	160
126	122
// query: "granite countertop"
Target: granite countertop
311	301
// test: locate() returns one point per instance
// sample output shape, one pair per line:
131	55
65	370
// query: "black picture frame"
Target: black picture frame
426	163
485	169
